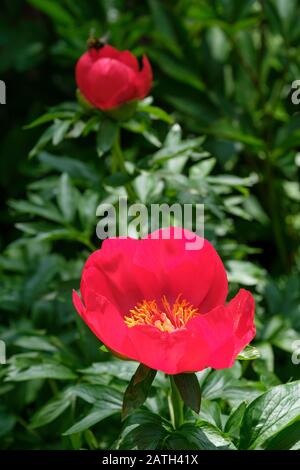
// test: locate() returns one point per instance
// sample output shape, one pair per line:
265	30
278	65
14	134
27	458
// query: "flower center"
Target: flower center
165	317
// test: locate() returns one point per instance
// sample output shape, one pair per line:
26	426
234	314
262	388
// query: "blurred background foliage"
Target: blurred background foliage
223	70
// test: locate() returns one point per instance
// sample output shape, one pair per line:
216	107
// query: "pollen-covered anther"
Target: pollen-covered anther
162	314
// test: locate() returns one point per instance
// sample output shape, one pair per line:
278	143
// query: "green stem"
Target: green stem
176	405
118	163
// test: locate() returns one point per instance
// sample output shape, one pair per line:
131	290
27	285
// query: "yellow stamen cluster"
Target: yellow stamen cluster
164	316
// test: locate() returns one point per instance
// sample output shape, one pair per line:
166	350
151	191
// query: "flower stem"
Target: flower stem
119	164
175	405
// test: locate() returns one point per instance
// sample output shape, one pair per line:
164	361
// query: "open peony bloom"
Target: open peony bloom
156	302
108	78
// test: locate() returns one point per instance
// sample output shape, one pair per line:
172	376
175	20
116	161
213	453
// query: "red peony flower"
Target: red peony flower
108	78
156	302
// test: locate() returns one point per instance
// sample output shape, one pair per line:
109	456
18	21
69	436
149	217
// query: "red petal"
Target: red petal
127	58
127	271
105	322
172	353
107	78
226	329
111	272
83	67
77	302
186	265
211	340
108	52
110	83
144	78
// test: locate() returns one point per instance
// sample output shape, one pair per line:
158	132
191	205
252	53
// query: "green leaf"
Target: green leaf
147	187
152	137
269	414
7	422
233	423
77	130
75	168
106	136
43	141
98	395
175	69
138	389
245	273
288	438
211	412
66	197
95	416
41	371
121	369
45	269
226	131
285	339
91	125
202	169
49	117
162	22
228	384
107	402
35	343
146	436
232	180
254	208
54	10
248	354
179	149
202	436
60	129
155	113
49	212
174	136
189	390
143	430
87	206
50	412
